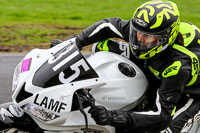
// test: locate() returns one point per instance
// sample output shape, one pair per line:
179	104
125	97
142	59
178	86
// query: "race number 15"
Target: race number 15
75	67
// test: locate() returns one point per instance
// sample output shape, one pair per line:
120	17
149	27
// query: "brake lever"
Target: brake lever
89	97
83	112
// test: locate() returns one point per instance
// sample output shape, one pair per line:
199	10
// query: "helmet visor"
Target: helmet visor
147	41
144	41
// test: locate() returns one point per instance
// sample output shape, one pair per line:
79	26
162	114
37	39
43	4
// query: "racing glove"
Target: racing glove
57	41
116	118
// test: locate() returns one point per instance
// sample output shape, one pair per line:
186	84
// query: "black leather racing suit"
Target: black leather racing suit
177	68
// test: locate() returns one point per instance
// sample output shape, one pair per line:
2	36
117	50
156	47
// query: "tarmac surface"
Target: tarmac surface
8	62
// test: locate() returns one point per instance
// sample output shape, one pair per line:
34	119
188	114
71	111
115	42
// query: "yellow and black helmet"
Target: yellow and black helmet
154	26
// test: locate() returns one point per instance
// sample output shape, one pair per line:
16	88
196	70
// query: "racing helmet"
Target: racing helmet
153	27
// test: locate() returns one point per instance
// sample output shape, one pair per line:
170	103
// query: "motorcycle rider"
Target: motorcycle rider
169	49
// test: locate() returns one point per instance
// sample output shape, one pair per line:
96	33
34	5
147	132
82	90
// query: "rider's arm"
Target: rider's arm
103	29
168	96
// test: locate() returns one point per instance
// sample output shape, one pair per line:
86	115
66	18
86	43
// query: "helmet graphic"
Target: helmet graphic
154	27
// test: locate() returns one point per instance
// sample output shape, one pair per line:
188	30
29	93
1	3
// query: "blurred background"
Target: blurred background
26	24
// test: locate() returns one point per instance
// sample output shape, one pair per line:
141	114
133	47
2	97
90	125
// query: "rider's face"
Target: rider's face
146	40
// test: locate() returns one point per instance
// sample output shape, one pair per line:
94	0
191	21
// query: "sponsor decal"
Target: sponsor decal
125	48
4	112
49	103
141	22
16	111
113	98
39	112
172	69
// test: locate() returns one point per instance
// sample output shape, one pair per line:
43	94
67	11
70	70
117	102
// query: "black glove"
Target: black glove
55	42
102	116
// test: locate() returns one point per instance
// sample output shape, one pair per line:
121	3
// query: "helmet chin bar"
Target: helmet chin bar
153	52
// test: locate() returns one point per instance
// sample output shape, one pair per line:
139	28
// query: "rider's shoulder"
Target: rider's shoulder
190	34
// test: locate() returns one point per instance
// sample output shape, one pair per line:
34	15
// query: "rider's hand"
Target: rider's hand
55	42
100	115
117	118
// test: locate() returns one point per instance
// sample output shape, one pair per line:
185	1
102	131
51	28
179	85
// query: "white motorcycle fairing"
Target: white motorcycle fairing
46	82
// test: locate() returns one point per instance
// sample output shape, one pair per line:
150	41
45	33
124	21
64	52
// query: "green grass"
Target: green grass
64	12
34	22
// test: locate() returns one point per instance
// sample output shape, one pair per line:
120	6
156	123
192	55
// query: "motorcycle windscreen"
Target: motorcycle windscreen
67	65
